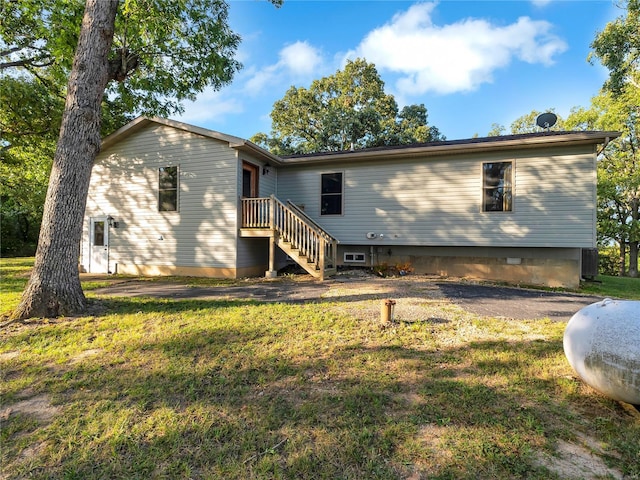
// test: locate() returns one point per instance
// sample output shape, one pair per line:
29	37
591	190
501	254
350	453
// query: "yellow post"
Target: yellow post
386	311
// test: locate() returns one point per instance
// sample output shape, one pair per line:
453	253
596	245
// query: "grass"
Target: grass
247	390
615	287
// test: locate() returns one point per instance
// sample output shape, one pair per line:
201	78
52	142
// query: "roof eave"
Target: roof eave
234	142
573	138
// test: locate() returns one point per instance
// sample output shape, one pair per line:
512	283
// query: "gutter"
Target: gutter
604	145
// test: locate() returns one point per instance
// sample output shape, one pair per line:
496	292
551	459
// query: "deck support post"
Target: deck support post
322	251
272	272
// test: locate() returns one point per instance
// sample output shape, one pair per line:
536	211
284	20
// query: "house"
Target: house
168	198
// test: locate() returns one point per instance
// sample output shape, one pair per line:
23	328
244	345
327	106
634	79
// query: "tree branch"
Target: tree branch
9	51
27	62
121	66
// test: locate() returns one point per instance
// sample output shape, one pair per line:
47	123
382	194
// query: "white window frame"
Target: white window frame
177	209
357	257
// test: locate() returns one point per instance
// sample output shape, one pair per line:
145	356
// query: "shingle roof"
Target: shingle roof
539	139
447	147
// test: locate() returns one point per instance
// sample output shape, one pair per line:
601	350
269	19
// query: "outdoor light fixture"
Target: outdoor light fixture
266	169
111	222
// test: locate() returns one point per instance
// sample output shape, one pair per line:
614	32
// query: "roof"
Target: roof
469	145
448	147
234	142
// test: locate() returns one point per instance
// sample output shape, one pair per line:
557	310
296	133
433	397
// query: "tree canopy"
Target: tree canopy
167	51
348	109
618	170
617	107
617	47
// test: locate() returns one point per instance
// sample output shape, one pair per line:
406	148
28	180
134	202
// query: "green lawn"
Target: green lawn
248	390
615	287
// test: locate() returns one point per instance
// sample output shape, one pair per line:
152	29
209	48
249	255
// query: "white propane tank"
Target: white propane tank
602	344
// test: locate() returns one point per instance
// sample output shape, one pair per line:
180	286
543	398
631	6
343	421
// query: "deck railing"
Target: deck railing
293	226
256	213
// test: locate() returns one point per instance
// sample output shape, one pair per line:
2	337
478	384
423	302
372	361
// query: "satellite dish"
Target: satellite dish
546	120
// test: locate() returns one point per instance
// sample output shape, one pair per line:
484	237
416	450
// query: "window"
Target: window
497	187
168	189
98	234
331	196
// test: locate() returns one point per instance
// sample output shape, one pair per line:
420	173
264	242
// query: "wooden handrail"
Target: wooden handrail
292	226
310	220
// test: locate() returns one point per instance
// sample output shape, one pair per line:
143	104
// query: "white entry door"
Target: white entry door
99	245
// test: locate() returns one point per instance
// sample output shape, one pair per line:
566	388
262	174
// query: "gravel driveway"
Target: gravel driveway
363	292
515	302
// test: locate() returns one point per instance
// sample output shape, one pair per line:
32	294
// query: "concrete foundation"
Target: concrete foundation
551	267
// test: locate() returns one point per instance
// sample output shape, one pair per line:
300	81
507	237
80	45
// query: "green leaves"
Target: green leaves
617	47
618	166
163	52
342	111
167	52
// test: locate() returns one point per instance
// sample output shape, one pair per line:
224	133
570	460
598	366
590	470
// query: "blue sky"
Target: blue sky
471	63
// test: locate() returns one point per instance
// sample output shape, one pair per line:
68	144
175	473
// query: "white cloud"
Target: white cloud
260	79
297	61
300	58
456	57
211	106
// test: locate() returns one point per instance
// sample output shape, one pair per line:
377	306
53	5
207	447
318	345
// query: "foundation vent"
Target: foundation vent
354	257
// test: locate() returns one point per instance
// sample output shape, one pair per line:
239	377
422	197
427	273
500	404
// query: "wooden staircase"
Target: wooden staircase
294	232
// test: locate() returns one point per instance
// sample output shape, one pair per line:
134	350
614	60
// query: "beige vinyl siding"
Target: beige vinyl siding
124	184
437	201
253	252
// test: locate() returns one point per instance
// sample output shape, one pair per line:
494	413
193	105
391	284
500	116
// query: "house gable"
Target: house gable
201	233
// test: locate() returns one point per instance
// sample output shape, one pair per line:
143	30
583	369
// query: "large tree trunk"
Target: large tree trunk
633	238
623	255
54	287
633	259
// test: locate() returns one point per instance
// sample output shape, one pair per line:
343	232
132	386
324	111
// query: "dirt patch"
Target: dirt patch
9	355
38	407
573	461
85	354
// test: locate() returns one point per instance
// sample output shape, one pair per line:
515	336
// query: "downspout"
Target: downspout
604	145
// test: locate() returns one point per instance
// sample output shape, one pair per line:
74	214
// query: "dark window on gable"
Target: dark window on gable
168	189
331	194
497	187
